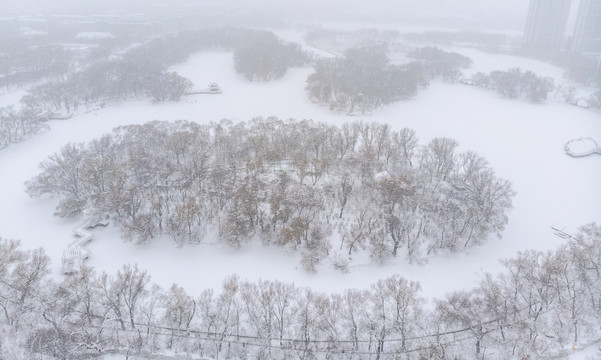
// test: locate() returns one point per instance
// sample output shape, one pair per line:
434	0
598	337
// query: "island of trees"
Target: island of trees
364	79
288	183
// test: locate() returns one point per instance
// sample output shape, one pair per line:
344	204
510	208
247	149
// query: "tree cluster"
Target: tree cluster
438	63
290	183
267	58
21	64
363	80
139	72
582	69
540	306
595	100
16	126
104	83
514	84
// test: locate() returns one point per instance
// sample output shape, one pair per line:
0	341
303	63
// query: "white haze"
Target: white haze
468	14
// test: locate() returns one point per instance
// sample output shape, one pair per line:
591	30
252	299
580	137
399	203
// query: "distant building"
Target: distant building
587	33
546	25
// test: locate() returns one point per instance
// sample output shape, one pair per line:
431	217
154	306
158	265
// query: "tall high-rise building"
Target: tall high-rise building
546	25
587	33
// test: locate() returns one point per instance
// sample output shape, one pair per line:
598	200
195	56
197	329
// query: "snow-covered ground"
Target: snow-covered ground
486	62
298	37
12	97
94	35
26	31
131	357
522	141
591	352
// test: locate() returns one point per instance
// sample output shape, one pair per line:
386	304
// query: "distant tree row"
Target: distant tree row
290	183
363	80
28	44
515	83
267	58
105	83
21	65
541	306
142	71
56	51
582	69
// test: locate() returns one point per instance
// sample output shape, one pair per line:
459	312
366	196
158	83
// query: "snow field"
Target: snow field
94	35
11	97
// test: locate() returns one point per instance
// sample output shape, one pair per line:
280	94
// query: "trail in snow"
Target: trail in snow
76	253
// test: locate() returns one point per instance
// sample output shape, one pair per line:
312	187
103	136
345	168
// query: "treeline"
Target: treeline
515	83
541	306
289	183
518	84
22	64
54	51
582	69
142	71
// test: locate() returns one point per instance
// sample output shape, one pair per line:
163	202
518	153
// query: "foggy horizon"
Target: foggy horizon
459	14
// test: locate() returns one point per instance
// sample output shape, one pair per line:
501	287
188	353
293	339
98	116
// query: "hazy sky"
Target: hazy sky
473	11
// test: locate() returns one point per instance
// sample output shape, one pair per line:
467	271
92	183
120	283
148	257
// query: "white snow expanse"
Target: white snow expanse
94	35
11	98
523	142
26	31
